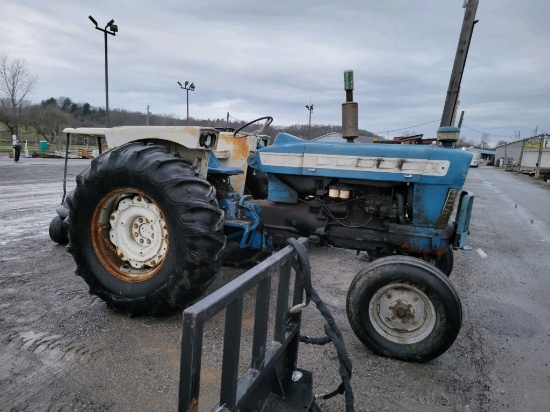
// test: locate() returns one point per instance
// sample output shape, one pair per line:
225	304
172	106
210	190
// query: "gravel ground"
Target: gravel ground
62	349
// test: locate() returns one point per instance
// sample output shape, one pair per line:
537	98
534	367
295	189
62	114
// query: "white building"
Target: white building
523	155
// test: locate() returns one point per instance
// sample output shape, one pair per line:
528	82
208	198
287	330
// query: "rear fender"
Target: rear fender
193	143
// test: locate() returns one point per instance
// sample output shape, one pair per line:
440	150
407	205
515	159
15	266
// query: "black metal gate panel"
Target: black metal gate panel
272	377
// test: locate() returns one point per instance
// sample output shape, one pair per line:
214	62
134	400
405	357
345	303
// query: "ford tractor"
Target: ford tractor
153	218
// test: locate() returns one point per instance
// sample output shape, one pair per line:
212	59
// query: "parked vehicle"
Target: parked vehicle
476	155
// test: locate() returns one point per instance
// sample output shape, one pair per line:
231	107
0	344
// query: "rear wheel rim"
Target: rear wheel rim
129	235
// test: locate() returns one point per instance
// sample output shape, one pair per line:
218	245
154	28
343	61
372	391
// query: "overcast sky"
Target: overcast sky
256	58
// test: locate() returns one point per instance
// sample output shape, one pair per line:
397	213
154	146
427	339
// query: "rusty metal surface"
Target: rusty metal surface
234	152
105	251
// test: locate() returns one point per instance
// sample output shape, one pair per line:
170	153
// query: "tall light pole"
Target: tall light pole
186	86
111	29
310	108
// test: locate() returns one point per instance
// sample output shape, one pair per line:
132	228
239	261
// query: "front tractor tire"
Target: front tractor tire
145	230
404	308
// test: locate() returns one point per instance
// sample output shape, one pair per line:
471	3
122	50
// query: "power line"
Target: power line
489	134
410	127
234	118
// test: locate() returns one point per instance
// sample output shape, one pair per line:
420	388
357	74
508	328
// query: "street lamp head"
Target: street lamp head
93	20
180	84
186	83
192	87
112	27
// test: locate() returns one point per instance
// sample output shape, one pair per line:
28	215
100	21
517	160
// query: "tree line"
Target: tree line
52	115
46	120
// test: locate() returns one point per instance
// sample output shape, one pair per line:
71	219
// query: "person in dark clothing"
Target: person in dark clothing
17	150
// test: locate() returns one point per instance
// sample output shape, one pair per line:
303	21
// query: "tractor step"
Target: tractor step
239	222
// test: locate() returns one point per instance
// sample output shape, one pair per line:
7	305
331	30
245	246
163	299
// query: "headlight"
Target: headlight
207	140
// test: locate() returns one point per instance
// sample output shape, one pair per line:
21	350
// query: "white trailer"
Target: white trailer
530	154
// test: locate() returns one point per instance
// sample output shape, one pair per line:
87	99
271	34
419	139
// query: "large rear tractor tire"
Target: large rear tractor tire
145	230
242	258
402	307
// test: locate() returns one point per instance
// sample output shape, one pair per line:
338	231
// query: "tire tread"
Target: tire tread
187	196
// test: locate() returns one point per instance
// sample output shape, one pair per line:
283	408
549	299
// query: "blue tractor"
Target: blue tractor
153	218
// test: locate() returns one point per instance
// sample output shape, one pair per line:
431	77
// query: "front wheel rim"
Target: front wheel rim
402	313
129	235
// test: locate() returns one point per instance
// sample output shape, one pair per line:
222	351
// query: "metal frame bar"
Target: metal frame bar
266	357
65	168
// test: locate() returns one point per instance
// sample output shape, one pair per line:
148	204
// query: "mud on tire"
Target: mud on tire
145	230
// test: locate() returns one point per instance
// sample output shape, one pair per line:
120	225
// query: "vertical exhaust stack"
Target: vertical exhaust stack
448	136
350	110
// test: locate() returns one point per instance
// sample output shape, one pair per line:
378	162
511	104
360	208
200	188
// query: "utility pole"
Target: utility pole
539	159
147	115
461	119
451	101
521	153
227	119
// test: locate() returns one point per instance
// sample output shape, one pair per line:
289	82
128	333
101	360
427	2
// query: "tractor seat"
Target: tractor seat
215	168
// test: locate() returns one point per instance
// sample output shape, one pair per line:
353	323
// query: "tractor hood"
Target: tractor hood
429	164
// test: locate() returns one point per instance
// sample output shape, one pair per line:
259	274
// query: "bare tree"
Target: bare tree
16	83
485	141
463	141
48	121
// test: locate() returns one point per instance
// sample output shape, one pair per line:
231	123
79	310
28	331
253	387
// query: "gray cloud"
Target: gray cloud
253	59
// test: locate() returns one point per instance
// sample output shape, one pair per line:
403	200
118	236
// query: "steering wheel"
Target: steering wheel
268	121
